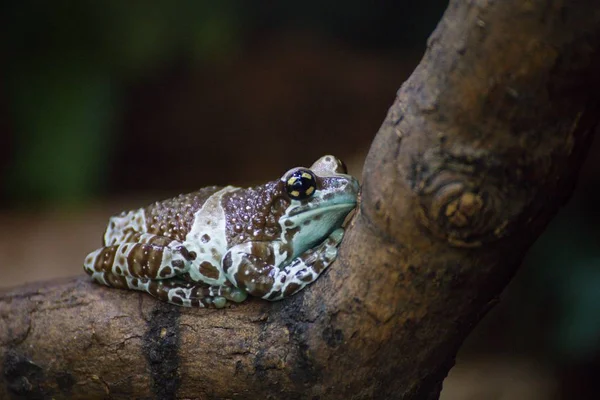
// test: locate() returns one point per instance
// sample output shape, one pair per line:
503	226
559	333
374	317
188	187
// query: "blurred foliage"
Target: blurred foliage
67	62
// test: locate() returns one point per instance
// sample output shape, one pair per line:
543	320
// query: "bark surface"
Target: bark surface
477	153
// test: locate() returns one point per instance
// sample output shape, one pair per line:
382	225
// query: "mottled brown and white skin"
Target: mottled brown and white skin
222	243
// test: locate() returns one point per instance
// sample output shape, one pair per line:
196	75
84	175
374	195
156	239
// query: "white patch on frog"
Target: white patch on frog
115	231
209	220
186	298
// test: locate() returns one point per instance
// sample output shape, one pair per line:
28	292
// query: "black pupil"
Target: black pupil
301	184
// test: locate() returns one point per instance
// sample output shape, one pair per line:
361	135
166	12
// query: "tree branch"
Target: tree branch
478	152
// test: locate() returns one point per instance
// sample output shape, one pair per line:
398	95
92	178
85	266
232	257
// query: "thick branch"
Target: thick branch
479	150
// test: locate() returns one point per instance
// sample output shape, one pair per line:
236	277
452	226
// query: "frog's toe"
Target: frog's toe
330	253
219	302
237	295
337	235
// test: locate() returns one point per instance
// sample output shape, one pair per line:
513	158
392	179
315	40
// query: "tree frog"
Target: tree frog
220	244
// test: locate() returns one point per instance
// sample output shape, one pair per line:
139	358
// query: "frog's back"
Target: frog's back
170	218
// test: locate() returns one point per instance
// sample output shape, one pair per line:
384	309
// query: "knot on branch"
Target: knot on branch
467	200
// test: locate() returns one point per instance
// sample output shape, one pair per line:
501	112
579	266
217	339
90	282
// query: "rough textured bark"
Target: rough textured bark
478	152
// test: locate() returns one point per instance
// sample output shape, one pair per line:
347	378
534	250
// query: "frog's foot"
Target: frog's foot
272	281
151	256
192	294
176	291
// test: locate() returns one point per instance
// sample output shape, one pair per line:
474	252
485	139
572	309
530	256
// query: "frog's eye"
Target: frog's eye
301	184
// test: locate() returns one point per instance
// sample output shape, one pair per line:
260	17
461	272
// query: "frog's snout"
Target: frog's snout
348	188
354	186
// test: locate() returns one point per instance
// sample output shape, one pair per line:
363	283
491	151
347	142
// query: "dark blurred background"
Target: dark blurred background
109	105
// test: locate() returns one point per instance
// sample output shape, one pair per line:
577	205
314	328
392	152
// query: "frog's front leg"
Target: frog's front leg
260	267
150	256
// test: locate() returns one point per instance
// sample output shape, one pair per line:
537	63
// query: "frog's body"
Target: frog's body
221	243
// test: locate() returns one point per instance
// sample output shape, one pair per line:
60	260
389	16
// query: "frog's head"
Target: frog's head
320	199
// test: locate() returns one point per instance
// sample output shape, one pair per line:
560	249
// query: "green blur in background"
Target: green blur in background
68	62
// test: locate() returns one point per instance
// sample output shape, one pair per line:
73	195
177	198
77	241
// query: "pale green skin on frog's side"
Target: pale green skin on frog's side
223	243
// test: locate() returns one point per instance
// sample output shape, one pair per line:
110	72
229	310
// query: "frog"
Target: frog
217	245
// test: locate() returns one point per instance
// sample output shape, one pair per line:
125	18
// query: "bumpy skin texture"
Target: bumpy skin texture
222	243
